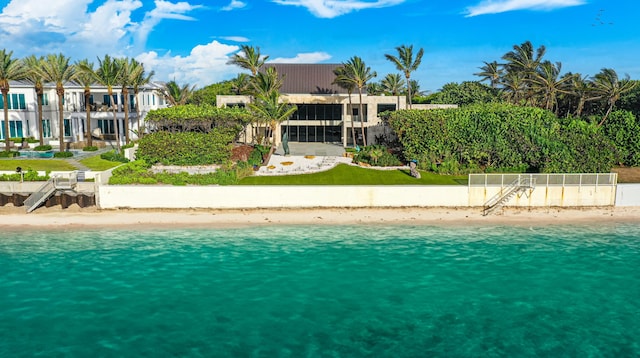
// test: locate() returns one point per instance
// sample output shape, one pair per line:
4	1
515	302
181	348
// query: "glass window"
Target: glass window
105	100
383	107
67	127
45	99
46	128
15	129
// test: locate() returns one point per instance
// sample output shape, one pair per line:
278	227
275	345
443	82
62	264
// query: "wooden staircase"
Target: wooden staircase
516	187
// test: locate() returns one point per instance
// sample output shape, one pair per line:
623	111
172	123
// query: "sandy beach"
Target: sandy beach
75	217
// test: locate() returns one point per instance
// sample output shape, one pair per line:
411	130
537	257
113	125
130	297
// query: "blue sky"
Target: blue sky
191	41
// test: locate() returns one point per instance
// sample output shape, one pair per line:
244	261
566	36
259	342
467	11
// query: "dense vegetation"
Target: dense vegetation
501	137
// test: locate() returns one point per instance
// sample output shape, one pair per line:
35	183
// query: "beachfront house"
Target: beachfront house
326	111
23	112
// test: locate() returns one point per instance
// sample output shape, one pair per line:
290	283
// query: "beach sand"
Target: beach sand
74	217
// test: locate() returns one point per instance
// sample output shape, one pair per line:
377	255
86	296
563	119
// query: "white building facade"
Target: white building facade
23	112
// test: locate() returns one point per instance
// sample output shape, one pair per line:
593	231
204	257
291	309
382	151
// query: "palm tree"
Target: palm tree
523	60
406	64
359	74
33	65
606	84
492	72
263	84
268	108
126	80
251	59
582	88
375	89
548	83
11	69
140	78
107	74
515	86
175	94
393	84
56	69
85	76
343	81
241	84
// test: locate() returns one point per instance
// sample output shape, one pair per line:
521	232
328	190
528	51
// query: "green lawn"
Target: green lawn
344	174
96	163
36	164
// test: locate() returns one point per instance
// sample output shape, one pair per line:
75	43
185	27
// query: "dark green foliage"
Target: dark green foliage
28	175
113	156
500	137
10	154
623	129
62	154
187	148
203	118
258	155
42	147
377	155
137	172
90	149
207	95
468	92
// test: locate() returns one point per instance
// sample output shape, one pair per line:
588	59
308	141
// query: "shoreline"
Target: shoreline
74	217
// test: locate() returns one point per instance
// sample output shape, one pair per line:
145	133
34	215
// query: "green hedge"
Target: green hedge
187	148
500	138
28	175
137	172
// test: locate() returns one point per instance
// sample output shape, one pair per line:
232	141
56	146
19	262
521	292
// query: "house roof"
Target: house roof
307	78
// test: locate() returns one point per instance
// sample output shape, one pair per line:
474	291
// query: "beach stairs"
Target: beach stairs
516	187
49	188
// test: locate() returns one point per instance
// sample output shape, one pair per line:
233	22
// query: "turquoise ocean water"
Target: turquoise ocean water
322	291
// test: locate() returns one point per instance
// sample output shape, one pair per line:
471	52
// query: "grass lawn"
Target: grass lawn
344	174
36	164
96	163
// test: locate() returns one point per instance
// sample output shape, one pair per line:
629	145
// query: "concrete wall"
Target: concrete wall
566	196
222	197
628	195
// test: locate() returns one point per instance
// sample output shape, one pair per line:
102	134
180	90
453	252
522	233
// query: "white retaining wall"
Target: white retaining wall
628	195
275	196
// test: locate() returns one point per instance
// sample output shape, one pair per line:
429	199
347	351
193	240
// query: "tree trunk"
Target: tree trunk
409	103
5	105
87	107
40	129
361	115
115	122
135	95
125	102
60	92
353	129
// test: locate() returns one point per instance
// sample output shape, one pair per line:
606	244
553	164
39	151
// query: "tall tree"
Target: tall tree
108	74
126	80
343	81
359	74
56	69
251	59
492	72
271	110
85	76
33	75
607	85
548	84
524	62
175	94
265	83
393	84
241	84
140	78
405	63
11	69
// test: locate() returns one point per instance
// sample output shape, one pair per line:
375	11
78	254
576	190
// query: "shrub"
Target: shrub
137	172
28	175
187	148
43	147
113	156
63	154
90	149
10	154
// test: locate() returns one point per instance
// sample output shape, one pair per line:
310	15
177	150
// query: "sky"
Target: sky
191	41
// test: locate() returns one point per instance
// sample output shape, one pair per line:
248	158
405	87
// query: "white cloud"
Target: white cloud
333	8
309	57
235	4
498	6
235	38
34	27
206	64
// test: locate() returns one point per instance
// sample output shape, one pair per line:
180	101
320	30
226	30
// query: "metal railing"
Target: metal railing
545	180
